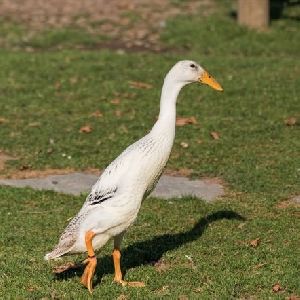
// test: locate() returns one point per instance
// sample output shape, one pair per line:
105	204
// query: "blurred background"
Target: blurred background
136	24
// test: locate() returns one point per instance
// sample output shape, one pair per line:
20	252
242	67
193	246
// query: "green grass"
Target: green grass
47	96
223	265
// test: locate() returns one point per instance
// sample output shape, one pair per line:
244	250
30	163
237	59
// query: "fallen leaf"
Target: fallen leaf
140	85
183	297
97	114
65	267
292	202
184	145
73	80
189	258
215	135
86	129
255	243
122	297
115	101
258	266
24	167
3	120
34	124
4	158
198	290
291	121
123	129
57	85
118	113
161	266
276	288
163	290
240	226
182	172
294	297
129	95
180	121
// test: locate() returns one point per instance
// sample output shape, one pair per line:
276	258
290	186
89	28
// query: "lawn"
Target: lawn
180	248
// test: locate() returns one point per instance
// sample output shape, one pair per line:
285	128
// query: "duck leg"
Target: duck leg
117	265
91	261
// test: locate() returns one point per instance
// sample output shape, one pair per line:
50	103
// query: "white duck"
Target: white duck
115	199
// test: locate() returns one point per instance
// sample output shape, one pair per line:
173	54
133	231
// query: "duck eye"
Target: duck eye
192	66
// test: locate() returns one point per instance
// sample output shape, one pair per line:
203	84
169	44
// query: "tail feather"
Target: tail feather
64	246
56	253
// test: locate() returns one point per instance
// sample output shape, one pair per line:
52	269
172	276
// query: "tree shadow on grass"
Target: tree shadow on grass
150	251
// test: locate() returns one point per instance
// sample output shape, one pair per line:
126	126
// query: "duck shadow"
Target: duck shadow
150	251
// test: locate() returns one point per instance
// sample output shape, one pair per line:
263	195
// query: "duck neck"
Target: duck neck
167	115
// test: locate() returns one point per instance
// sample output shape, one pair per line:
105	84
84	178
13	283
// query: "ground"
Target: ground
71	98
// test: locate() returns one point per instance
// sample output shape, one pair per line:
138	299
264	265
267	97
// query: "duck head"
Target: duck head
188	71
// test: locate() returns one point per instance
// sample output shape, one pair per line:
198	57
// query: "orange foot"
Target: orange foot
88	274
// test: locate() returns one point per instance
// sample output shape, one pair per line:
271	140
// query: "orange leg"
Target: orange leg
91	261
118	274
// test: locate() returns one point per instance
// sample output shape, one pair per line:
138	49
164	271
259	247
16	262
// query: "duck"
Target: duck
115	199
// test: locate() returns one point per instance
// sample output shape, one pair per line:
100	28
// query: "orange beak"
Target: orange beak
209	80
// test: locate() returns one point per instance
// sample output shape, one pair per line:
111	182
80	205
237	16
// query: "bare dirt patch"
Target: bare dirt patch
294	201
28	174
133	23
4	158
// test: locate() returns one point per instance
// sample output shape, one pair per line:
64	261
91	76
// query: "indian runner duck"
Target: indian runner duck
115	199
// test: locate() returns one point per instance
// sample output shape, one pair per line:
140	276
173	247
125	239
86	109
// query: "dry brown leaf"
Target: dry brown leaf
181	121
276	288
184	145
293	297
258	266
255	243
118	113
86	129
179	172
123	129
65	267
3	120
161	266
291	121
215	135
240	226
292	202
97	114
128	95
115	101
24	167
57	85
73	80
34	124
164	289
122	297
140	85
4	158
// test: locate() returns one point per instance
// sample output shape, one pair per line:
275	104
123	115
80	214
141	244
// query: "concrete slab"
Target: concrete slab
296	199
77	183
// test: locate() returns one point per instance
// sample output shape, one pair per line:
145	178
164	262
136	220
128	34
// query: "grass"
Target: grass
47	96
207	254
